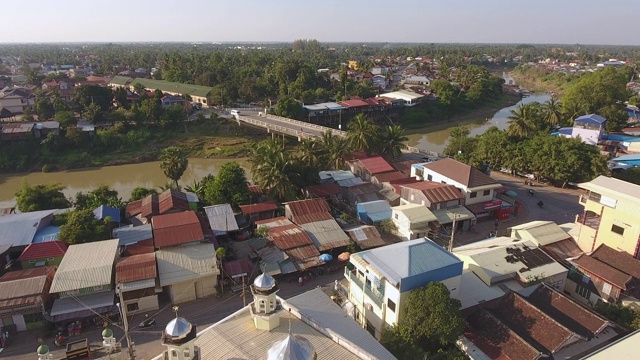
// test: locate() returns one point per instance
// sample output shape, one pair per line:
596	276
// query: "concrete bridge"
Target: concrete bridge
282	125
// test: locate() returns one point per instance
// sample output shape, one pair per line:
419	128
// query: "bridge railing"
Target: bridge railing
282	129
306	124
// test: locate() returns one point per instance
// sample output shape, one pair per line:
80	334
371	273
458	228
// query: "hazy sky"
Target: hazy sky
486	21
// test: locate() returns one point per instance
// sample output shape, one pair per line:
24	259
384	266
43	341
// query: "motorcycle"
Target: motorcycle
541	204
60	340
531	193
148	322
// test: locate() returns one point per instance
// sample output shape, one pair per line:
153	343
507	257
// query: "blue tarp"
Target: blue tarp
47	233
621	138
105	210
565	131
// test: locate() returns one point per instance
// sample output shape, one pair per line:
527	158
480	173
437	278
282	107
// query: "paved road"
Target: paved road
296	127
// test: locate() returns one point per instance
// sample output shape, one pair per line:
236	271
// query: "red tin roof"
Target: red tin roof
376	165
149	206
305	207
238	268
172	199
289	236
136	267
353	103
175	229
133	208
323	190
258	208
436	192
389	176
44	250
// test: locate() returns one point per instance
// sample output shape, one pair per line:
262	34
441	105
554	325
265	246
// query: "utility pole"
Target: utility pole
244	300
453	232
125	321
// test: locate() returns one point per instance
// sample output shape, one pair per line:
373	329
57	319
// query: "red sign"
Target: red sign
492	204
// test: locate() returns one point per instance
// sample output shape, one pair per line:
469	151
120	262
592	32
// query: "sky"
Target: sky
426	21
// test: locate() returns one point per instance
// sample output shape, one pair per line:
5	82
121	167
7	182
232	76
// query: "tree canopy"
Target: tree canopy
173	162
101	195
82	227
41	197
229	186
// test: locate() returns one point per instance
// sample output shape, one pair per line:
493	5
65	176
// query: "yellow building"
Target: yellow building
611	215
353	64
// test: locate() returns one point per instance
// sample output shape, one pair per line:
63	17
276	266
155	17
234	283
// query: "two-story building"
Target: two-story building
610	215
413	221
368	167
477	187
24	298
590	128
381	279
84	281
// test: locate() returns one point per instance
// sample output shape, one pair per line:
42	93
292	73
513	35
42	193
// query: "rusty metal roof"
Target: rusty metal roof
289	236
304	207
133	208
176	229
149	206
389	176
403	166
172	199
303	252
603	271
258	208
436	192
376	165
323	190
275	222
309	218
365	236
238	268
136	267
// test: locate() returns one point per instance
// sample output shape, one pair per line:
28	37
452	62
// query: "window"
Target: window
391	305
473	194
133	307
486	193
444	182
429	177
187	354
32	261
50	259
617	229
606	288
396	216
412	197
583	291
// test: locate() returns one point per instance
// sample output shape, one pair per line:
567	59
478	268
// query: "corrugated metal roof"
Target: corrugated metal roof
275	222
289	236
133	208
172	199
303	254
319	311
376	210
363	189
238	268
305	207
408	258
389	176
336	175
221	218
149	206
138	285
365	236
86	265
350	182
415	213
136	267
323	190
19	229
258	208
603	185
539	232
604	271
353	103
175	229
26	283
304	219
326	234
446	216
462	173
104	211
186	263
128	235
46	234
436	192
91	301
376	165
43	250
235	338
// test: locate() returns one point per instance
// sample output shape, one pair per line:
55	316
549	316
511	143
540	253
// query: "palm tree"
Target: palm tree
552	111
574	110
197	187
173	162
361	133
335	149
273	169
310	153
392	141
522	121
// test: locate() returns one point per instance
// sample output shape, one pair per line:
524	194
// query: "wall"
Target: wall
441	274
390	292
206	286
30	264
570	288
479	198
626	216
144	304
436	177
182	292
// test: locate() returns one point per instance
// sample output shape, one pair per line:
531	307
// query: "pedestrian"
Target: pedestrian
300	281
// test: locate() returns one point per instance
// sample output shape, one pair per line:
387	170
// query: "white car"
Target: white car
235	112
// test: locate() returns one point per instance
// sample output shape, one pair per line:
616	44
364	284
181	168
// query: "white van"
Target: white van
235	112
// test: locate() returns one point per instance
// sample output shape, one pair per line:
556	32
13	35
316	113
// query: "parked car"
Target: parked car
235	112
429	159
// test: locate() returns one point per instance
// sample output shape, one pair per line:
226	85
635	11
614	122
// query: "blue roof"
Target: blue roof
565	131
633	113
375	210
103	211
591	119
621	138
47	233
633	159
410	258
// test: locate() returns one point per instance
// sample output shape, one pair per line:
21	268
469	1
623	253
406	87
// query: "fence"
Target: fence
278	128
306	124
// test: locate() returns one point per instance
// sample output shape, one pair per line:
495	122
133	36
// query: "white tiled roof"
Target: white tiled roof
186	262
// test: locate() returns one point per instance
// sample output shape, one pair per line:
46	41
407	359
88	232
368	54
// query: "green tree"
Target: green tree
66	118
335	149
141	192
362	134
41	197
492	146
552	111
460	145
44	108
289	108
392	141
85	95
229	187
573	110
173	162
102	195
596	90
120	97
522	121
273	169
83	227
93	113
445	91
615	115
311	153
173	115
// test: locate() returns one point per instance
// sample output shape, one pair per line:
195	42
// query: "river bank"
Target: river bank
535	84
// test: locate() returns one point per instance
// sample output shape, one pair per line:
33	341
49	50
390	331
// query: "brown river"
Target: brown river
123	178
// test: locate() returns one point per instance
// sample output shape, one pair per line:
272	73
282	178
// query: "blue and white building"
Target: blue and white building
381	279
590	128
373	211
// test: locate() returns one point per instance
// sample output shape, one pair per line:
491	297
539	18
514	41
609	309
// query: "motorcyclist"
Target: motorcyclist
540	203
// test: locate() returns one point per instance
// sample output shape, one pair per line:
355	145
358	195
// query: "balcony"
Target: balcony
350	274
375	294
592	222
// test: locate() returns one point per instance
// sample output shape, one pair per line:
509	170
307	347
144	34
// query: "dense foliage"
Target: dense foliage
230	186
41	197
102	195
174	162
430	323
82	227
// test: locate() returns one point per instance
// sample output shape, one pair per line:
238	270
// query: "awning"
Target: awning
89	302
446	216
137	285
485	207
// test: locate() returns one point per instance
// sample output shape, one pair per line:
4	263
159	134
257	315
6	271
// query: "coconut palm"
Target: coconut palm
574	110
522	121
361	133
392	141
273	169
552	111
335	149
311	153
173	162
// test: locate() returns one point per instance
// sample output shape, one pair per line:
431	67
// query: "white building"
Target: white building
381	279
412	220
409	97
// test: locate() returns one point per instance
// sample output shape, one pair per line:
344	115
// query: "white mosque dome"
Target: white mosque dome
264	282
292	348
178	327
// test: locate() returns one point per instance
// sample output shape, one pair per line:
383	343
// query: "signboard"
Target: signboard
492	204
